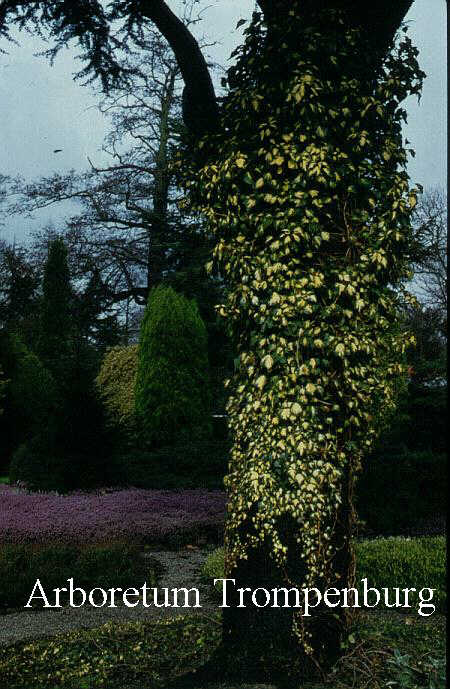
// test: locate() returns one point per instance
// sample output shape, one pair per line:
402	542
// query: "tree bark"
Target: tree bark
261	640
200	109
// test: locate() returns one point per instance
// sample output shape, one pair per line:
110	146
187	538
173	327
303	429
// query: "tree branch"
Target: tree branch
200	110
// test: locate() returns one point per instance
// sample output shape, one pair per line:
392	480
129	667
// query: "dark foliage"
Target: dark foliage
91	566
403	493
67	448
30	396
189	465
19	283
56	326
73	448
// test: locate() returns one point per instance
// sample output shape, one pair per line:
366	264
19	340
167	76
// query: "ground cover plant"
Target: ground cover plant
91	566
132	515
385	562
380	651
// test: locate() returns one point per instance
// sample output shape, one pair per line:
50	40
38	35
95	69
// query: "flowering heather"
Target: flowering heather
132	515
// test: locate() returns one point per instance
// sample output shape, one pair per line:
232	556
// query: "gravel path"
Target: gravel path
180	569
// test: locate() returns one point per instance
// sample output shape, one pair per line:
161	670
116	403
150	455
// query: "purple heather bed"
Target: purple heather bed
131	515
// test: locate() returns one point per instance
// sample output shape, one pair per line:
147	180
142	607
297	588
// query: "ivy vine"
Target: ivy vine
307	194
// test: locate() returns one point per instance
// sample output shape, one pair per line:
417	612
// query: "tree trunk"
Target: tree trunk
299	193
260	640
159	232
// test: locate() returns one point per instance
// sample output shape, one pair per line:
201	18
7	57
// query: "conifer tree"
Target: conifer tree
55	328
172	385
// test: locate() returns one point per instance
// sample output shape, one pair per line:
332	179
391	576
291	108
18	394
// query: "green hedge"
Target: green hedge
405	562
397	492
92	566
201	464
386	562
43	467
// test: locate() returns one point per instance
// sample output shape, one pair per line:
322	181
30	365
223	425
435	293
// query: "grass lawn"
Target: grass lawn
384	649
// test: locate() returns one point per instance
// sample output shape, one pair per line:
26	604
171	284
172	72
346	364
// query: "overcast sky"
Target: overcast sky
42	108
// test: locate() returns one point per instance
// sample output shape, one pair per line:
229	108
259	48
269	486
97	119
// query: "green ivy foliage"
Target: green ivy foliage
115	655
116	382
308	197
172	383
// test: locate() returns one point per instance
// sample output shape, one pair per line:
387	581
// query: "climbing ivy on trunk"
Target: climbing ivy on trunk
307	194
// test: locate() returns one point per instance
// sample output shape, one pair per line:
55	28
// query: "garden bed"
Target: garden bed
135	516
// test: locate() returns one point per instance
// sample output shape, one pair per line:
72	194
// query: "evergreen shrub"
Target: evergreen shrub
116	382
173	397
31	396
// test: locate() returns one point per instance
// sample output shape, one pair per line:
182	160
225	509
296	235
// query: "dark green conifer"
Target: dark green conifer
56	323
172	385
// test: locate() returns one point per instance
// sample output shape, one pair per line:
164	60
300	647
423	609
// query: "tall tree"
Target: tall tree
130	230
130	233
310	247
76	438
56	326
19	291
310	203
430	250
73	332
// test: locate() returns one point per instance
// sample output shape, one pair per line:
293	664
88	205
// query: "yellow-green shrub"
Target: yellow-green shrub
116	383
